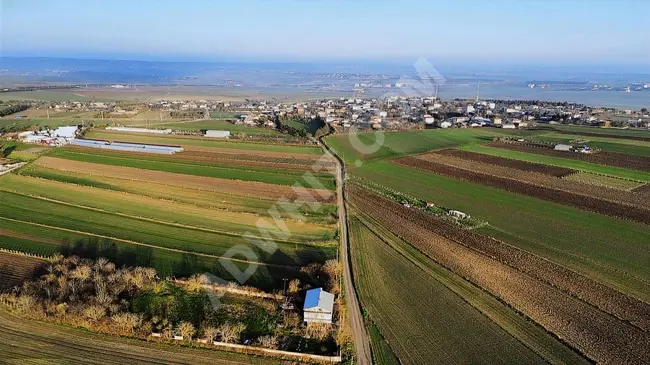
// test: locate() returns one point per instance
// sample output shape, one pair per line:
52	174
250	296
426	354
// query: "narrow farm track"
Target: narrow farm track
357	325
25	341
597	334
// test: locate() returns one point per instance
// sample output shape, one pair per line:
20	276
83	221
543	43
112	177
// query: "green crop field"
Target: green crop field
561	162
234	171
403	143
155	209
424	321
604	248
202	142
48	241
139	231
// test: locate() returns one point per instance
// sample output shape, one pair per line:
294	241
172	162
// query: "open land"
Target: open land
182	214
594	264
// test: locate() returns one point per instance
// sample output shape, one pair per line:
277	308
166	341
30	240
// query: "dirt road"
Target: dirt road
361	342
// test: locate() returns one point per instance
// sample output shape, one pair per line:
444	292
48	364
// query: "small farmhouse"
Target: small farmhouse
319	306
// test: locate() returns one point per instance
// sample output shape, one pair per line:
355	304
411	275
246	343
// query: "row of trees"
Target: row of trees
13	109
96	295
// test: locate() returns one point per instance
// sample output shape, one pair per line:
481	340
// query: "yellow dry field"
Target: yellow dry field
246	188
601	180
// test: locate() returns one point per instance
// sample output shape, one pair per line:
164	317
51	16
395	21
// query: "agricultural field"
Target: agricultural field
563	161
640	163
585	196
24	341
605	181
543	292
16	269
187	213
233	170
408	294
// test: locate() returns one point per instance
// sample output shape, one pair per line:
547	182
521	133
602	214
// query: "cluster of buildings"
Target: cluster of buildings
57	137
403	113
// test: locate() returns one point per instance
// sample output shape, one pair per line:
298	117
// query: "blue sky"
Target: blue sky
528	31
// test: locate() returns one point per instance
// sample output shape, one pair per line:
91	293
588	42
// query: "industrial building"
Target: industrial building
128	147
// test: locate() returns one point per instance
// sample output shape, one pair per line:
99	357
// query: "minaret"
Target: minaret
478	91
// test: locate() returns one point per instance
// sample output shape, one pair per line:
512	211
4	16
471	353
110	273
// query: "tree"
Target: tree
210	333
127	322
231	332
269	342
186	329
319	331
294	286
95	312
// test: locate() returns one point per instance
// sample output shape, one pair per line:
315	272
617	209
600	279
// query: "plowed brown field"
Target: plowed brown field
508	162
558	196
605	135
640	163
602	337
541	180
16	269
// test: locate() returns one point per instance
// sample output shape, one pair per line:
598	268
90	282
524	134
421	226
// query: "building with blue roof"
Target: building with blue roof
319	306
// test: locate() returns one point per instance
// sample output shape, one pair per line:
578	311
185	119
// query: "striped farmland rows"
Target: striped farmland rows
246	188
600	336
640	163
634	213
543	181
606	135
508	162
452	332
16	269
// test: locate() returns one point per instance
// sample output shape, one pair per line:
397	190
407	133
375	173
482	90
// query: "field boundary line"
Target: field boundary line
146	244
152	220
26	254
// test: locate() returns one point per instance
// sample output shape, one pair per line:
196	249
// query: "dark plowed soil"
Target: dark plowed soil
508	162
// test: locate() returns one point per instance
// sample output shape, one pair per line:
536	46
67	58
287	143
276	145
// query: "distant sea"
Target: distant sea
565	84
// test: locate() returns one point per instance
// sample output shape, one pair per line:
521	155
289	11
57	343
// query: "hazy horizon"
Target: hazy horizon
535	33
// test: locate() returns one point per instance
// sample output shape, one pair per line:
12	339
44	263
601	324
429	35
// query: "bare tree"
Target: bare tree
294	286
210	333
231	332
186	329
319	331
95	312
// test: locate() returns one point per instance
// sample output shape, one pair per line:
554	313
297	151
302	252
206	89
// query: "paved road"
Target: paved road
361	343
